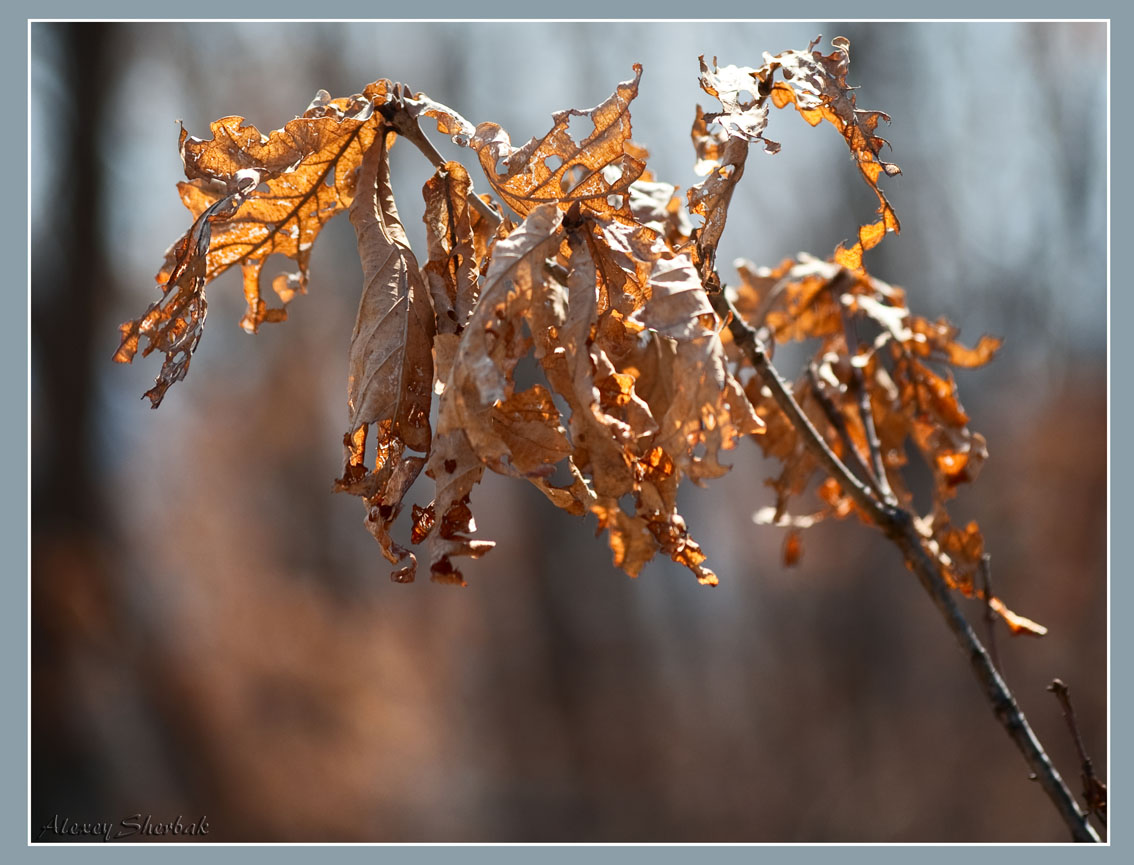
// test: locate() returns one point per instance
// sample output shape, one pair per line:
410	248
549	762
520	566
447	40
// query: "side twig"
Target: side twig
873	444
989	614
1094	790
836	419
898	524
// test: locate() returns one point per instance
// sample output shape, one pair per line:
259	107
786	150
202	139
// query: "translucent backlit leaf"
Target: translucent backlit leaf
561	169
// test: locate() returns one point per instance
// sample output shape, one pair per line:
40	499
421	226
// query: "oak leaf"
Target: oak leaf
562	170
252	195
817	86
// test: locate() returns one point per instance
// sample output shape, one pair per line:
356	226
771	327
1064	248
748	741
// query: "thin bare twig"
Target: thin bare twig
1094	790
836	419
989	613
898	524
874	446
747	341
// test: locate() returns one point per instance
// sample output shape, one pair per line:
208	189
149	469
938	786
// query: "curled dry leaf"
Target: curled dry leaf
708	409
720	158
173	324
817	86
959	551
656	206
391	365
458	239
480	423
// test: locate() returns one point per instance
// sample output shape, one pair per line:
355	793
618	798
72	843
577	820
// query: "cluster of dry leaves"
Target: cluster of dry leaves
585	262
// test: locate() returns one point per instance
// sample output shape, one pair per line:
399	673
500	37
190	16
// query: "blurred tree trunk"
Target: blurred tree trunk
69	288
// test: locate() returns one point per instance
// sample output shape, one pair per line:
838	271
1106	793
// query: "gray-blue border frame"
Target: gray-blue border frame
14	437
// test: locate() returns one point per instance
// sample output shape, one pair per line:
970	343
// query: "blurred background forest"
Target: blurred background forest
214	633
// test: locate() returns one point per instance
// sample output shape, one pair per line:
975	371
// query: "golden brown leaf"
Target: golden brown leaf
528	425
252	195
308	168
630	540
720	159
481	421
558	169
453	264
173	324
674	540
940	336
624	254
817	86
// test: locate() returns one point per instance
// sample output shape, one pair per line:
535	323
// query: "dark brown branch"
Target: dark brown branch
1094	790
898	525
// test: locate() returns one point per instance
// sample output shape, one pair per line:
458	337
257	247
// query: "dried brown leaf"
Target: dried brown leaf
721	158
940	337
481	421
559	169
173	324
494	342
602	440
745	118
454	259
251	196
817	86
390	363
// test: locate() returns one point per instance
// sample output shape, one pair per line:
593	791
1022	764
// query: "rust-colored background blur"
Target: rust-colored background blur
214	632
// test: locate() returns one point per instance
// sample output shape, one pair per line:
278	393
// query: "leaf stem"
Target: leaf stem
409	128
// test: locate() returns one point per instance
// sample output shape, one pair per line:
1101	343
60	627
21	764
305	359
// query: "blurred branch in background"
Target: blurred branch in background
214	633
